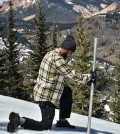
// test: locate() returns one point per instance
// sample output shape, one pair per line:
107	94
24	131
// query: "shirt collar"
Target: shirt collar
57	50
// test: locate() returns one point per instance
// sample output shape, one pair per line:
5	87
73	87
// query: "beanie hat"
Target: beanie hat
70	37
69	43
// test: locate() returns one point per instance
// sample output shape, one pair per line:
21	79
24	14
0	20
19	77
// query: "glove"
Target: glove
93	77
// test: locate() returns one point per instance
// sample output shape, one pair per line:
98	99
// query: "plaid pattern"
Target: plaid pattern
50	80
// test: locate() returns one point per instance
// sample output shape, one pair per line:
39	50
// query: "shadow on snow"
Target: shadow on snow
3	127
79	129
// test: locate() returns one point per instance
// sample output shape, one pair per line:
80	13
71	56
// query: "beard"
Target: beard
64	55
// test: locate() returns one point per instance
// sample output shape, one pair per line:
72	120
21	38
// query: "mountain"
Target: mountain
32	110
60	11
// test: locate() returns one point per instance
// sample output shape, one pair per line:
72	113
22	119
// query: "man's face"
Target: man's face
67	54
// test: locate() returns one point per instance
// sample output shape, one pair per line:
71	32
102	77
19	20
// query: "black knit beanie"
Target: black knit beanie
70	37
69	43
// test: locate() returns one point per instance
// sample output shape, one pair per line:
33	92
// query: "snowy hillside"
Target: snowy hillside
8	104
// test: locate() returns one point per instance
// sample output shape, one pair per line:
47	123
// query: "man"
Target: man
49	89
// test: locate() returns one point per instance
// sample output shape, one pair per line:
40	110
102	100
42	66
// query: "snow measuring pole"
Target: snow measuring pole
92	88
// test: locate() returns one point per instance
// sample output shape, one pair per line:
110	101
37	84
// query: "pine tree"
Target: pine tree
1	64
1	27
83	65
82	59
2	72
54	37
115	107
103	89
115	98
40	47
13	80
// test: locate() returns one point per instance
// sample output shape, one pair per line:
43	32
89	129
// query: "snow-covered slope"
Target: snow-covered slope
111	7
31	110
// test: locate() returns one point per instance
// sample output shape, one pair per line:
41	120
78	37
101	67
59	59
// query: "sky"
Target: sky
31	110
2	0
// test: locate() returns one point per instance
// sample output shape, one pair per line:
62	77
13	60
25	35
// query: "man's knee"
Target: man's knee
48	113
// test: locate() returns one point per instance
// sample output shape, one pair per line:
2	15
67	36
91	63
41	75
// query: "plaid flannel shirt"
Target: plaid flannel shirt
50	81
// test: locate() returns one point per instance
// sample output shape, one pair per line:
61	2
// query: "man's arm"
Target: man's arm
68	72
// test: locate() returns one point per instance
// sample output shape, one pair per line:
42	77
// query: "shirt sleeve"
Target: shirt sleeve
68	72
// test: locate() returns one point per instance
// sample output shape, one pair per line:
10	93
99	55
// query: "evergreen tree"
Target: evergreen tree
115	101
1	64
2	76
40	47
13	78
103	89
83	65
115	107
2	72
82	59
54	37
1	27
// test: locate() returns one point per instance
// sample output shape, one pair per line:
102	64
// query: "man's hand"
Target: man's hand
93	77
85	78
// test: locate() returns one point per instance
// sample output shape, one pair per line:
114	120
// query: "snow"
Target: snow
107	108
34	1
1	43
103	5
69	2
31	110
28	1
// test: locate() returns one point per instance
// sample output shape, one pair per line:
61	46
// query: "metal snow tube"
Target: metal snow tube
92	88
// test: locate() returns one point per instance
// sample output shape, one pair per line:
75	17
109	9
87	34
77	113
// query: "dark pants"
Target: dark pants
48	112
65	103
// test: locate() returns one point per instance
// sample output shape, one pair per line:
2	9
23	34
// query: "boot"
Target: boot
64	123
14	122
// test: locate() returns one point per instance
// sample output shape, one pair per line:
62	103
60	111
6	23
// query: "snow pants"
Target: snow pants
48	112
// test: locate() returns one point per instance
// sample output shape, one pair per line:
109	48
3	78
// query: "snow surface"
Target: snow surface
31	110
1	43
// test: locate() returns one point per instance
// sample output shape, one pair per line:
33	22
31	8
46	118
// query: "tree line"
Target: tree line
18	81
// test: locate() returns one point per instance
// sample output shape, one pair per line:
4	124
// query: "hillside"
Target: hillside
60	11
106	27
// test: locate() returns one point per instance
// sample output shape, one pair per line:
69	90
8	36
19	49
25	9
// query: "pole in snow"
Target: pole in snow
92	88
